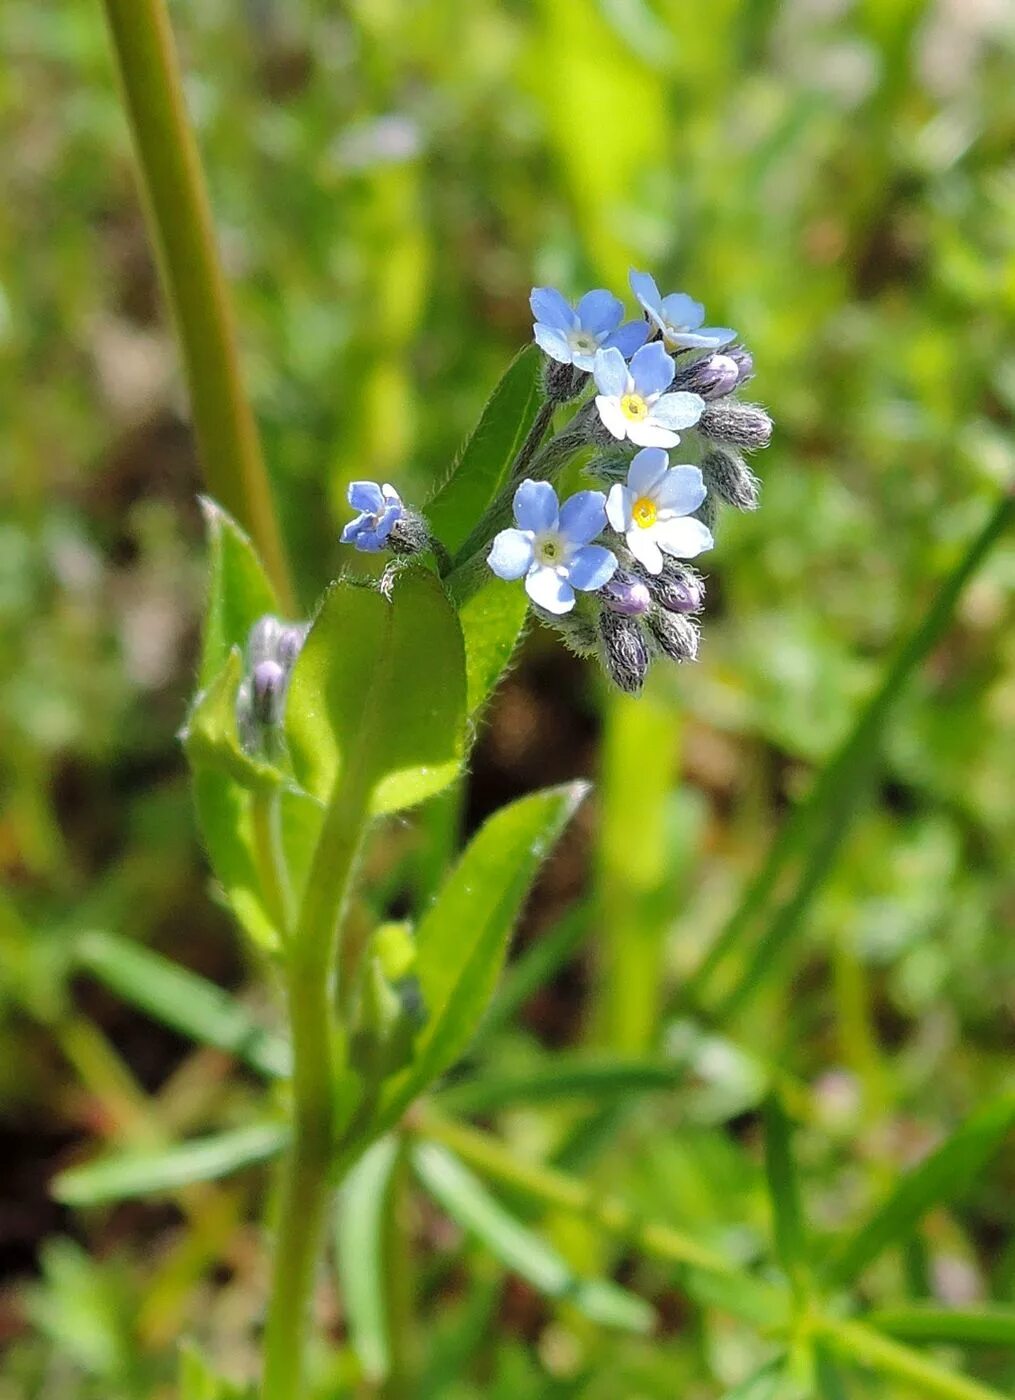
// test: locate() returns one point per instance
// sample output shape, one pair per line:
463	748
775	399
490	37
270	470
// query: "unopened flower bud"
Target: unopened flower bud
738	424
675	636
626	594
728	476
624	651
708	512
563	383
409	534
678	588
268	685
290	644
263	639
744	361
712	377
608	468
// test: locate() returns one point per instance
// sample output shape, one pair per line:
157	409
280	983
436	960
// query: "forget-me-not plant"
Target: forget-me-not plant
678	317
379	507
551	546
633	402
572	335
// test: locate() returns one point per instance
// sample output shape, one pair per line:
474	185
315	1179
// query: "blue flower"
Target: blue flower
653	510
379	507
678	316
633	402
572	335
551	546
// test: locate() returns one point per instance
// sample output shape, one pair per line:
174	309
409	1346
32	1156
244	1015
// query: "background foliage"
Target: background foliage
834	179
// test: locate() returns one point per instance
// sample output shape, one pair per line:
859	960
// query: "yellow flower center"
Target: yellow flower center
644	512
633	406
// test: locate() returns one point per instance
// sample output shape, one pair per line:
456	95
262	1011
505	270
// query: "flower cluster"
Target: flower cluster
607	568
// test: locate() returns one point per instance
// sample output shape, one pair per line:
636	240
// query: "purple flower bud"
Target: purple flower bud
626	595
677	637
290	644
625	654
678	589
744	361
268	684
712	377
263	639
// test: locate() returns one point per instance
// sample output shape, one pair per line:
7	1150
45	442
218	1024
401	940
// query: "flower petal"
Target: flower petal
649	434
651	369
612	416
391	496
718	335
583	516
354	529
511	554
628	338
681	310
647	467
618	507
536	506
643	284
610	371
683	536
549	307
549	590
383	527
645	550
365	496
681	490
677	410
591	567
705	339
600	311
553	341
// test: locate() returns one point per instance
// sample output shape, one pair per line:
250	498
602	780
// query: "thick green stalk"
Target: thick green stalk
311	976
180	222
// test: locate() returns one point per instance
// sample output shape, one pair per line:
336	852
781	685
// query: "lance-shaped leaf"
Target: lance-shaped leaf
783	1191
492	615
360	1225
987	1325
462	939
380	684
481	468
520	1249
238	591
940	1177
564	1077
126	1174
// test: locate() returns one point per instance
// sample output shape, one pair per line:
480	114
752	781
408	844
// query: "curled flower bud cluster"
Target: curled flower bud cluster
604	567
272	649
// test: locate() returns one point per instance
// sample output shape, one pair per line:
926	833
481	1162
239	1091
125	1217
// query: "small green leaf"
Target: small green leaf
741	1295
178	998
380	684
211	738
492	618
128	1174
360	1229
517	1247
917	1322
481	467
565	1077
238	591
462	939
940	1177
783	1191
762	1384
197	1380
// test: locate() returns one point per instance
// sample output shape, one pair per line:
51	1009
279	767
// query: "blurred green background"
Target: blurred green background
834	179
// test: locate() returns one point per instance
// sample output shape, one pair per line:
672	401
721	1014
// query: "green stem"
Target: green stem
533	442
311	998
881	1353
272	869
180	221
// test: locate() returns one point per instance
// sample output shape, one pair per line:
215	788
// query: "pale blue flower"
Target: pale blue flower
572	335
379	507
551	545
653	510
633	403
678	316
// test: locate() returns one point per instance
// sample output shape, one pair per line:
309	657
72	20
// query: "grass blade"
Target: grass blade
360	1226
916	1322
564	1078
780	1170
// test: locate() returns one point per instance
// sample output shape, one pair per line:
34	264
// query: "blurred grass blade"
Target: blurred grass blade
534	968
740	1294
361	1214
926	1378
564	1078
783	1190
130	1174
939	1177
481	468
519	1248
827	809
987	1325
180	999
831	1385
763	1384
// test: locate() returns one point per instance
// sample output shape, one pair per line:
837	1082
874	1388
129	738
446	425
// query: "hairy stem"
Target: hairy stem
180	222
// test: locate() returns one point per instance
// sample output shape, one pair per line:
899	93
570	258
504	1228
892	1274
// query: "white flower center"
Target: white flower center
583	342
549	550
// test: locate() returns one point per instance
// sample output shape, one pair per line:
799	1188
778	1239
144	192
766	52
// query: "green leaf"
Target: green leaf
922	1375
918	1322
211	738
492	617
197	1380
517	1247
238	591
462	939
740	1295
481	467
940	1177
762	1384
534	967
787	1218
360	1230
178	998
128	1174
565	1077
380	684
